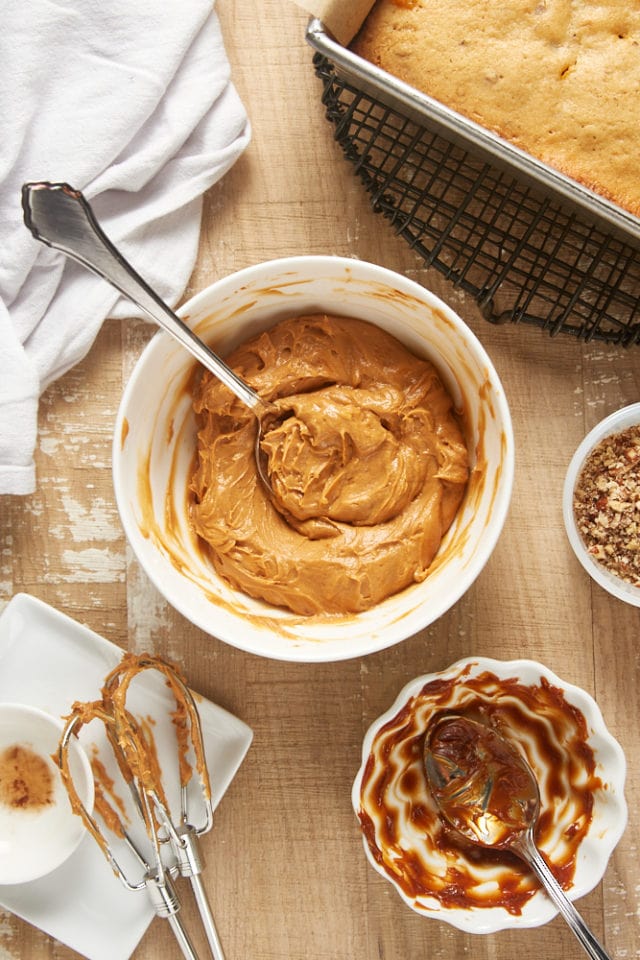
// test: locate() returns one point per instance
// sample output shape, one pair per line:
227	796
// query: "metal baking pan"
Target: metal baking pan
435	116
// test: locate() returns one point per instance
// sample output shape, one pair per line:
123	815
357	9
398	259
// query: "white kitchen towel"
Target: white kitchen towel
131	102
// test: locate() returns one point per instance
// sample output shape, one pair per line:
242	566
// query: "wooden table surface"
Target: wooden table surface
286	873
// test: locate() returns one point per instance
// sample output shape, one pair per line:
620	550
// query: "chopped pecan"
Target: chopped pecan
605	501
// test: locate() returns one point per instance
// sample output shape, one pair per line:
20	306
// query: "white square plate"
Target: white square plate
48	660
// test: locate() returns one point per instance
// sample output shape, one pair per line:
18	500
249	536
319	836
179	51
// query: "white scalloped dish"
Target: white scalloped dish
580	770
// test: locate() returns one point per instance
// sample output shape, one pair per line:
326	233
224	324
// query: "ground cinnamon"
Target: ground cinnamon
26	782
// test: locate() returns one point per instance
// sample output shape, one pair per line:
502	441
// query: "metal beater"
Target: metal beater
172	846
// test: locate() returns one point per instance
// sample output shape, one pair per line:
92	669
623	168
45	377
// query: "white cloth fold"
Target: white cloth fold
130	101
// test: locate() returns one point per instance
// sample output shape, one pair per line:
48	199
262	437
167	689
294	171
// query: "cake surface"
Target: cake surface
558	78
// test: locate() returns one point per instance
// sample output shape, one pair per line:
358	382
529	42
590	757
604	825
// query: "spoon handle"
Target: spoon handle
59	216
527	848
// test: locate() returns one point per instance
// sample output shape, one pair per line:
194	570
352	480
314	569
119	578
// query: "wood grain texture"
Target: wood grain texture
286	874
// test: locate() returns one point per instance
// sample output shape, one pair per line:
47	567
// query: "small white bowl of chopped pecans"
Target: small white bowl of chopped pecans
601	504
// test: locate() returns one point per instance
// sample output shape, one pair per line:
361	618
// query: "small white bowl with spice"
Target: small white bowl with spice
38	828
601	504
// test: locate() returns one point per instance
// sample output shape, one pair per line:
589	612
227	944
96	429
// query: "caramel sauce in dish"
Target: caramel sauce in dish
430	863
367	461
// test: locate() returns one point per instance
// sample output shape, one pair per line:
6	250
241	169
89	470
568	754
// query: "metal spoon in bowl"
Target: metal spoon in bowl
60	216
487	792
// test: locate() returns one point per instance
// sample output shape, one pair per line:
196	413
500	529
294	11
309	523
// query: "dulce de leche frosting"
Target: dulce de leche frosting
367	463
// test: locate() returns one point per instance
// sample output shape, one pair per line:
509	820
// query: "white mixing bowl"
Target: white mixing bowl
154	445
37	837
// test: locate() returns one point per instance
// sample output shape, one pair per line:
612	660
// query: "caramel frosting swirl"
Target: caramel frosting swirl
367	463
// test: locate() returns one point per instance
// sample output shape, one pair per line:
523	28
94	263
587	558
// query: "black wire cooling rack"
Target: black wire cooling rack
523	257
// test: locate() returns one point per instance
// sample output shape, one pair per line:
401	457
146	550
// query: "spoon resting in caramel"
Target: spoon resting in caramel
486	791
